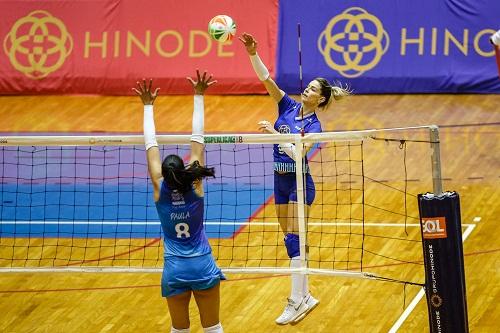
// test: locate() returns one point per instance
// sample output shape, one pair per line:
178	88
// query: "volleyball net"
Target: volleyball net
85	203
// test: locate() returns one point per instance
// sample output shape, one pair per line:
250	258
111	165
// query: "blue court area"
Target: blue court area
103	192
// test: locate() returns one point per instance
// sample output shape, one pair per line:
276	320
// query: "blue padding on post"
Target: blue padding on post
292	245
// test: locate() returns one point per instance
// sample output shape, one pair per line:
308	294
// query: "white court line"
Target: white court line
421	292
157	223
394	328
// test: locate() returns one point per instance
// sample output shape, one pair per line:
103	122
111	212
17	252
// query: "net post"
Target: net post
437	181
441	232
299	174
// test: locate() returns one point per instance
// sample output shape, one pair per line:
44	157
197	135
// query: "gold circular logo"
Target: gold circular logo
353	42
436	301
38	44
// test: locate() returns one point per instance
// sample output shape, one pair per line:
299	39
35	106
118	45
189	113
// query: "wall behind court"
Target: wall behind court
385	46
389	46
103	47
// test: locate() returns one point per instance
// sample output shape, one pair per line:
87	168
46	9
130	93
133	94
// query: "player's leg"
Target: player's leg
293	227
178	307
307	297
208	301
300	301
296	304
285	211
292	244
285	190
282	185
300	282
282	214
178	294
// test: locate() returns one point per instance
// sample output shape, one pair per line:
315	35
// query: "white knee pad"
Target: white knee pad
176	330
214	329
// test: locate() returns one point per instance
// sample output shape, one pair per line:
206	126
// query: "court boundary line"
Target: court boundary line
413	304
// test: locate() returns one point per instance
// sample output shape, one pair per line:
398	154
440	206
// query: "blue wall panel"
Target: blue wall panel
390	46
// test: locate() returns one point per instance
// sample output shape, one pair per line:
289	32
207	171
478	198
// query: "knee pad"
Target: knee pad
292	245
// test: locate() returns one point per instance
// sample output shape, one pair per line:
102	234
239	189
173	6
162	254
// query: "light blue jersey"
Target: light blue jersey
188	262
181	216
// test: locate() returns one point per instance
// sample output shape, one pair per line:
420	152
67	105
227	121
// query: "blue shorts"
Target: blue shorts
182	274
285	188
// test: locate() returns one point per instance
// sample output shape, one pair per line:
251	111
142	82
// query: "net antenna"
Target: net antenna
300	76
300	179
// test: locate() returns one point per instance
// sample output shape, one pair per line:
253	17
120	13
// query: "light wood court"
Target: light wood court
115	302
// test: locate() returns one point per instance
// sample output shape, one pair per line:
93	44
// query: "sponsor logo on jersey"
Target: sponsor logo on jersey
177	198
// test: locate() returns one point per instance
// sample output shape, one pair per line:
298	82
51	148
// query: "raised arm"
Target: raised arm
197	145
197	142
260	69
152	152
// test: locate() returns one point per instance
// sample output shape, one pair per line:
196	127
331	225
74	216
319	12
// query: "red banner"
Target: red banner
103	47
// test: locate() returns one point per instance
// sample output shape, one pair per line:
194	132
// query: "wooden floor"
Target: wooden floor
88	302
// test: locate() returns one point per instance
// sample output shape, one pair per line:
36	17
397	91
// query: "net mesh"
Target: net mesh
92	206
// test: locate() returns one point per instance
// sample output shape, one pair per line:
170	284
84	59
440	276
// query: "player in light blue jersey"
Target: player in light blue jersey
293	117
189	267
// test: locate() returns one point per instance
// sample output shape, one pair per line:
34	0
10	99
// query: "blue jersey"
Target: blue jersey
181	217
290	121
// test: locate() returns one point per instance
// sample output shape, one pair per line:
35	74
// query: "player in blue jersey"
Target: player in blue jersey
293	117
189	267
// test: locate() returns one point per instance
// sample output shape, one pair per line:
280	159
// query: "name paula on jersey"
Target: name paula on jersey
179	216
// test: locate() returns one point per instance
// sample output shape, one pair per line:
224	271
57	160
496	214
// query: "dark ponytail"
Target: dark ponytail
181	178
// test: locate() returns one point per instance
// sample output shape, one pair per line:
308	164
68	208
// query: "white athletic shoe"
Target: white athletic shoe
293	310
311	304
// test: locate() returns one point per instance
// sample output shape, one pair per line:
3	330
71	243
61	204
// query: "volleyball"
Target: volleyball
222	28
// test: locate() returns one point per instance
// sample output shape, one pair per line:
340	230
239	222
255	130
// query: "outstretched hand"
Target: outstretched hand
249	42
144	92
202	83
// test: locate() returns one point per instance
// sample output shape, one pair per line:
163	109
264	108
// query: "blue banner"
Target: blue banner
390	46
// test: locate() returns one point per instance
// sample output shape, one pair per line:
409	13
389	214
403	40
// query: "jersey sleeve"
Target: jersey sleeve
286	103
